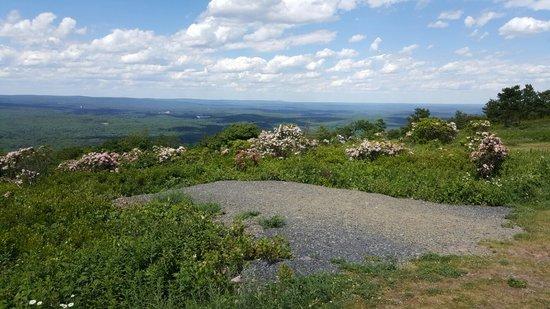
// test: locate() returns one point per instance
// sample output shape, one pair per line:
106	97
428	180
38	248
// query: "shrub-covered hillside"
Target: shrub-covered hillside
63	242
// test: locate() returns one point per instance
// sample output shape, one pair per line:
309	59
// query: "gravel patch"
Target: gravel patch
326	223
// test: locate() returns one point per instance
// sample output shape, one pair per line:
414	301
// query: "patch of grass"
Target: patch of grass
433	267
247	215
273	222
516	283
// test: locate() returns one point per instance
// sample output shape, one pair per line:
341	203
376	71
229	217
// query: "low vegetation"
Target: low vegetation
62	241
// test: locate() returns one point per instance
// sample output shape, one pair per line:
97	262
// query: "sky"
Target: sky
400	51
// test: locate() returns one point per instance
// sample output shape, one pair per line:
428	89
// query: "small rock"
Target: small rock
237	279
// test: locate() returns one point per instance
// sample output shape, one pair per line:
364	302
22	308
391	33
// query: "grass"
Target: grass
62	236
272	223
247	215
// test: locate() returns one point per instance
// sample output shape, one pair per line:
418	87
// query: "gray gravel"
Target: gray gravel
325	223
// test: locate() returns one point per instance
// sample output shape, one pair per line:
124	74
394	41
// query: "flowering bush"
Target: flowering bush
131	156
23	165
489	155
480	125
429	129
282	141
168	153
373	149
246	158
93	161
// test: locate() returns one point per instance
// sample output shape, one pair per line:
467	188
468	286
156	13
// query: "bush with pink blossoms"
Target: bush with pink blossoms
489	156
282	141
165	154
93	161
373	149
247	158
24	165
131	156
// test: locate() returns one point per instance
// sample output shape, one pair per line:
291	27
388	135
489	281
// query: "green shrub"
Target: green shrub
517	283
273	222
234	132
432	129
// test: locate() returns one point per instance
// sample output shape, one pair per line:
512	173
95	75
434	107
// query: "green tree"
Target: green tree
419	113
507	108
236	131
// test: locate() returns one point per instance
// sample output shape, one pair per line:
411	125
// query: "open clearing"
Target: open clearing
323	224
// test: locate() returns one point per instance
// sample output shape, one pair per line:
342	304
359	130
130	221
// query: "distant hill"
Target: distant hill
78	120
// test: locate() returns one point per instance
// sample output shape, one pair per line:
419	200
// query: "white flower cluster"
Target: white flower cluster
373	149
26	176
12	167
489	155
12	158
167	153
472	142
480	125
131	156
93	161
282	141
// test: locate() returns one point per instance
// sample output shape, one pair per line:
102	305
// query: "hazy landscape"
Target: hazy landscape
76	121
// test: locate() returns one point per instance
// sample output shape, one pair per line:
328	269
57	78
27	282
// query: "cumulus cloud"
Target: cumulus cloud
409	49
482	20
532	4
196	61
40	29
464	51
375	45
356	38
439	24
450	15
521	26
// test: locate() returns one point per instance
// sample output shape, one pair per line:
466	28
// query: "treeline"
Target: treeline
514	104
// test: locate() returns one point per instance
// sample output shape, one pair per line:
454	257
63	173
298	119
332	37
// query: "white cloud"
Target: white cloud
356	38
239	64
343	53
40	29
477	34
482	20
532	4
346	65
438	24
464	51
382	3
521	26
450	15
409	49
375	45
389	68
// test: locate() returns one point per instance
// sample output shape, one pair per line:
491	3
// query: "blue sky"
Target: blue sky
297	50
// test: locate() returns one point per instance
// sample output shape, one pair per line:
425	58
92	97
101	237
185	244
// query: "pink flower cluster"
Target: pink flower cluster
282	141
248	157
373	149
167	153
131	156
12	158
13	165
25	176
93	161
489	155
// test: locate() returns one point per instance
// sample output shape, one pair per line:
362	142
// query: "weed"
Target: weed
273	222
247	215
517	283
